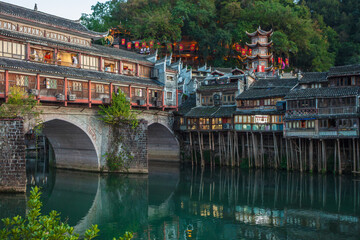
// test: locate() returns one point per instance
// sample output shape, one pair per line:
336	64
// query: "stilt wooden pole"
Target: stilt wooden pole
191	150
311	152
339	154
220	152
354	155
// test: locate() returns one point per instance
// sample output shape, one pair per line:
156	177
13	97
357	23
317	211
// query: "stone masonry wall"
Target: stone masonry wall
12	156
135	143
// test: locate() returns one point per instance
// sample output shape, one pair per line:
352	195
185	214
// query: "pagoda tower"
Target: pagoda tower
260	58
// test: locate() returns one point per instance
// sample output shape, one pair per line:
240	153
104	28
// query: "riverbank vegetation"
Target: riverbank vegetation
36	225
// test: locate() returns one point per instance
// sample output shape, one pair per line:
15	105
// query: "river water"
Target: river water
177	202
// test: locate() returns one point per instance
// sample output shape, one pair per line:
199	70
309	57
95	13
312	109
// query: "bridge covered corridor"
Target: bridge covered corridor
162	144
72	146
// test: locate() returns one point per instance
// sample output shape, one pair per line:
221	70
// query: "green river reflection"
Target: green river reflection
183	203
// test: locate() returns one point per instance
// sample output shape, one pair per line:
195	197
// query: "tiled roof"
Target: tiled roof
311	77
186	106
323	92
218	87
345	70
266	88
211	111
61	71
94	48
257	111
44	18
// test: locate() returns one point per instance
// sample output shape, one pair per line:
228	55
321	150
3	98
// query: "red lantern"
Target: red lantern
279	60
123	41
143	44
287	61
250	52
192	47
238	47
181	47
272	60
243	51
136	45
129	45
151	44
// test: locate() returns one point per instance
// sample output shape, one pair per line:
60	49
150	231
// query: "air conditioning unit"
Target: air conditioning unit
106	100
34	92
141	102
60	97
72	97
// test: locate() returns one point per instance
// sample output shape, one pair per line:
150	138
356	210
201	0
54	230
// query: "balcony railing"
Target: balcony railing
301	112
338	110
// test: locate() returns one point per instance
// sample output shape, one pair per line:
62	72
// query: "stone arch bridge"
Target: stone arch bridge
80	139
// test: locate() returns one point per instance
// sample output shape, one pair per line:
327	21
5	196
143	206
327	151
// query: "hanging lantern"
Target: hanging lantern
272	60
192	47
238	47
250	52
287	61
123	41
243	51
181	47
129	45
136	45
151	44
279	60
143	44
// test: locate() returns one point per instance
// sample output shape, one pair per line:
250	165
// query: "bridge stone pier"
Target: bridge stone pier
80	139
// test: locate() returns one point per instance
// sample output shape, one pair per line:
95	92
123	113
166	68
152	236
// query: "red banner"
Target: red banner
151	44
129	45
260	68
136	45
192	47
287	61
123	41
143	44
238	47
181	47
250	52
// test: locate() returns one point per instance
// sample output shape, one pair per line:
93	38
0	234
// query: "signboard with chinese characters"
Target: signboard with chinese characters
261	118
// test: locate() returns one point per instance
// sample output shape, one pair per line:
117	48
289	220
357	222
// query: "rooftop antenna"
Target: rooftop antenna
35	7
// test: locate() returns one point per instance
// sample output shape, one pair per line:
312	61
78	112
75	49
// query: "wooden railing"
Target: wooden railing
338	110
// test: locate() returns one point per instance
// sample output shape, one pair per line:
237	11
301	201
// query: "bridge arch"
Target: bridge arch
162	144
73	146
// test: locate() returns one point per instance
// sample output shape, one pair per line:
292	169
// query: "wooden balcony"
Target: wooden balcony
338	110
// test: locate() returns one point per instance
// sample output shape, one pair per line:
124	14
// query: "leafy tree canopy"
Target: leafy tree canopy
313	33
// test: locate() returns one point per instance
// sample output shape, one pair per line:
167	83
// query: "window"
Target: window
138	92
216	123
99	88
22	80
89	62
169	95
51	83
12	50
77	86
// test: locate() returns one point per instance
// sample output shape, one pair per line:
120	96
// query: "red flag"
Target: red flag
192	47
123	41
243	51
287	61
181	47
151	44
250	52
238	47
136	44
143	44
129	45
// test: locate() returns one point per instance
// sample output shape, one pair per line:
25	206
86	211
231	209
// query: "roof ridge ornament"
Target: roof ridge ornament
35	7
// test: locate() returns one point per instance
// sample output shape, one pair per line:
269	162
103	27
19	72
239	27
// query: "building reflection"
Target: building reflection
194	204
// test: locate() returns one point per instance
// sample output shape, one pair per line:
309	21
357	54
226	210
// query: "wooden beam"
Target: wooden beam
65	90
89	93
6	85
